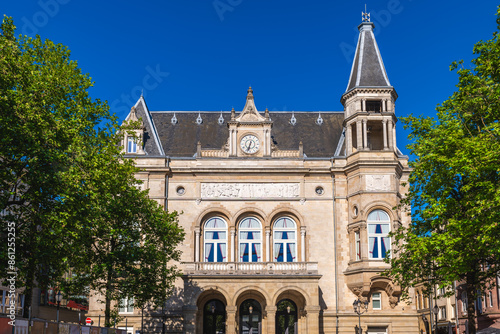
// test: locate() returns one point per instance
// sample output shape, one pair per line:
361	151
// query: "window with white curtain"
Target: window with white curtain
250	240
378	230
215	240
126	305
357	241
285	240
132	145
442	313
377	301
464	302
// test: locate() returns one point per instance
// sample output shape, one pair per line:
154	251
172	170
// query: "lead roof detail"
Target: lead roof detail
368	68
180	139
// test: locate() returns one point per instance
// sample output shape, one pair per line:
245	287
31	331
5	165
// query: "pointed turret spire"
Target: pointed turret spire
368	68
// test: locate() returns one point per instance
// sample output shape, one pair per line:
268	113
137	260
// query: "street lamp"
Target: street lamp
59	298
435	310
360	308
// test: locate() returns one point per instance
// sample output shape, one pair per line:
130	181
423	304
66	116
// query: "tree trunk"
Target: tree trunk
107	311
109	287
32	266
471	297
28	290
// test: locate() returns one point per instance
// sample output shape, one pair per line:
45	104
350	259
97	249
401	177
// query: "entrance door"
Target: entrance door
286	317
214	317
250	317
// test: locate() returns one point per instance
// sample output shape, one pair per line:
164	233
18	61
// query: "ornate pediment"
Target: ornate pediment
250	114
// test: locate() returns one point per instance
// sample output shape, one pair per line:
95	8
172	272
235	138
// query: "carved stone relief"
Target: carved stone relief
250	190
378	182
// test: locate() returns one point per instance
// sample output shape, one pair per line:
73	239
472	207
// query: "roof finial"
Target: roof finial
365	16
250	93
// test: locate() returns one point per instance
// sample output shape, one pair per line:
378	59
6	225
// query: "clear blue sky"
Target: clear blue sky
296	55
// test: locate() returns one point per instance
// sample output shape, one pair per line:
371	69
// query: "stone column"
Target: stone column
271	319
363	105
359	135
268	241
348	140
365	135
384	127
394	137
389	105
363	241
189	312
384	108
232	245
391	134
312	318
230	142
197	244
303	243
231	320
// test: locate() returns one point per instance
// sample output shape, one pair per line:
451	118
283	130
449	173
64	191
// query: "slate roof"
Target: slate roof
180	139
368	68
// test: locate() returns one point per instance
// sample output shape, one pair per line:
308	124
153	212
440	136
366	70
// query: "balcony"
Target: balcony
251	269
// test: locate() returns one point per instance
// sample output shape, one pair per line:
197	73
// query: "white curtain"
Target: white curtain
222	248
208	249
277	250
242	251
291	248
257	249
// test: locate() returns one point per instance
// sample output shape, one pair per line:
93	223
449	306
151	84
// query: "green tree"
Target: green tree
45	116
128	242
455	186
65	187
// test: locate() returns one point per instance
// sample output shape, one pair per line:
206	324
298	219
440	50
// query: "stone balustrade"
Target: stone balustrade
247	268
214	153
285	154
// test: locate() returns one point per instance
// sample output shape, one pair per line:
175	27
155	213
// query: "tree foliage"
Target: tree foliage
65	187
455	186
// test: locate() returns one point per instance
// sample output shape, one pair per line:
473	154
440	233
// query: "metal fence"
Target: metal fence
22	326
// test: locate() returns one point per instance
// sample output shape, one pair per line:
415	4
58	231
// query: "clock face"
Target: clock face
250	144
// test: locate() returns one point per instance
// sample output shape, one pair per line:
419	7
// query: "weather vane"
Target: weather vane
365	16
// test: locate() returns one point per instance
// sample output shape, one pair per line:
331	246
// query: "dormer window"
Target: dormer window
374	106
132	145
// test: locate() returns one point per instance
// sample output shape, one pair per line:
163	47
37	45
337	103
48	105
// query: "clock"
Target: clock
250	144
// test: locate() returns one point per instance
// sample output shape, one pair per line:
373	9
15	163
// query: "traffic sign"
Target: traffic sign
88	321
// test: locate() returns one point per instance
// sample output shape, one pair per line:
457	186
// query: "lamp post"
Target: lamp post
58	300
435	310
360	308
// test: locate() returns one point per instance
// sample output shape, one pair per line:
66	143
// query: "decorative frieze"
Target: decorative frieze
249	190
378	182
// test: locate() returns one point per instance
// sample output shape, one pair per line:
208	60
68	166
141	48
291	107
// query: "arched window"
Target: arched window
378	230
250	240
286	317
215	240
285	240
214	317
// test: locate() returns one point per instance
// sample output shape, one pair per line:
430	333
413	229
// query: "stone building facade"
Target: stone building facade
286	214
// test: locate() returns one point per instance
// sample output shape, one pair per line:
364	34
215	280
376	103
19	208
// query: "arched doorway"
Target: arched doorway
250	317
214	317
286	317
